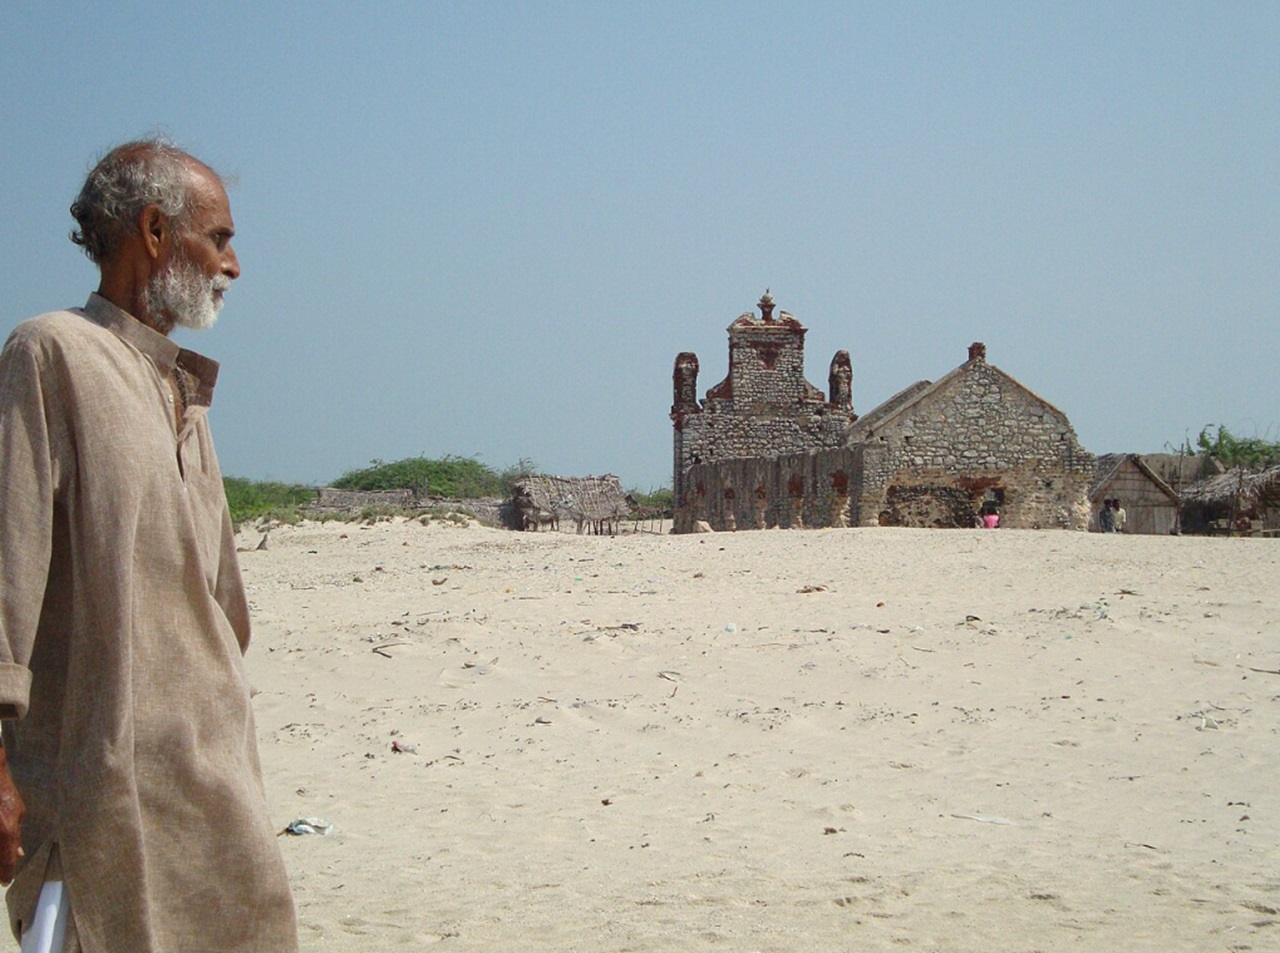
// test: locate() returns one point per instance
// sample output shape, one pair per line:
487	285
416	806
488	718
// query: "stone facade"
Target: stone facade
765	449
764	408
976	434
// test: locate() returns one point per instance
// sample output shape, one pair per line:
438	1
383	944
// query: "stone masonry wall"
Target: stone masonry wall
982	432
766	367
711	437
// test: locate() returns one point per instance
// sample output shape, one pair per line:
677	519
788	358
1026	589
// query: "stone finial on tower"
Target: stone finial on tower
766	306
685	384
977	351
840	382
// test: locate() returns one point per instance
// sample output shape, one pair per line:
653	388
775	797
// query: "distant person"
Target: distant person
991	520
1106	518
131	799
1118	515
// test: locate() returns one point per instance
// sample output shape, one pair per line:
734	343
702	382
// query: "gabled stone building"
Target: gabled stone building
765	448
976	438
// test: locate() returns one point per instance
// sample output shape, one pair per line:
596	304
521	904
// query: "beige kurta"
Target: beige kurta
122	625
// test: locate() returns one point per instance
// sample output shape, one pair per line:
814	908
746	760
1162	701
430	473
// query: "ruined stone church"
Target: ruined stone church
766	448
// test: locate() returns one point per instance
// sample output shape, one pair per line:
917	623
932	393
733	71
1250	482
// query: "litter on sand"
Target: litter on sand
983	818
309	825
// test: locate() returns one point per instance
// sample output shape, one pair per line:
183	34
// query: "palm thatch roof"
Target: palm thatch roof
1249	488
588	499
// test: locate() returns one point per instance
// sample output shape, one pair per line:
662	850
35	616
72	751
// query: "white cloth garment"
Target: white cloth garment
48	930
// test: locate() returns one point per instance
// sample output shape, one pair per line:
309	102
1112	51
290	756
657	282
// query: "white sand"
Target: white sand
663	743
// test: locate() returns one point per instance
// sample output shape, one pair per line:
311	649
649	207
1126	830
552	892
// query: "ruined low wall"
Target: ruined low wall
793	491
497	513
710	439
331	498
825	489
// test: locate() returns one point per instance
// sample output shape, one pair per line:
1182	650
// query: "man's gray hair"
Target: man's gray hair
124	182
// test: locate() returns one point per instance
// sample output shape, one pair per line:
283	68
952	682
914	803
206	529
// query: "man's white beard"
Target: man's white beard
185	295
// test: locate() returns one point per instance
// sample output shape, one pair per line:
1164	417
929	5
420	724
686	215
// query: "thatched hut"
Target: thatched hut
1238	502
590	504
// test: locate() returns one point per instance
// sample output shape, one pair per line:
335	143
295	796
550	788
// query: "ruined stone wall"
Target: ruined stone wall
764	408
792	491
332	498
1032	498
497	513
980	433
711	437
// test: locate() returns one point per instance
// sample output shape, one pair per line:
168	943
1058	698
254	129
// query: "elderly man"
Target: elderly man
129	743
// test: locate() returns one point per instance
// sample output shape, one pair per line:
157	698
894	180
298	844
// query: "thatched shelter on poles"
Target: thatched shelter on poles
1238	501
592	504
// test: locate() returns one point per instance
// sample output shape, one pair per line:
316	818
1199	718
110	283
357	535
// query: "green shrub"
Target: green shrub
1232	451
450	477
255	499
661	502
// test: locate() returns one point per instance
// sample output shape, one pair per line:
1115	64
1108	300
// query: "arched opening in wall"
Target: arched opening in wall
928	507
991	509
839	503
795	490
761	507
730	509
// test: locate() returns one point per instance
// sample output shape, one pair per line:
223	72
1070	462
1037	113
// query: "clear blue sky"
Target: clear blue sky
488	228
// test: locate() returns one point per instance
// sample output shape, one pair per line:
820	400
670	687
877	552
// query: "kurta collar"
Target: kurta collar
163	352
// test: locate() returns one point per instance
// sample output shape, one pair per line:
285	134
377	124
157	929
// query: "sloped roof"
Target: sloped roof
940	385
1109	465
588	498
1249	487
872	418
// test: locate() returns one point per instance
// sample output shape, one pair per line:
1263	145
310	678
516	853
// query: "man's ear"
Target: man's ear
155	228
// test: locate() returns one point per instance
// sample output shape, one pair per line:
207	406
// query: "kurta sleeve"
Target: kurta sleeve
27	481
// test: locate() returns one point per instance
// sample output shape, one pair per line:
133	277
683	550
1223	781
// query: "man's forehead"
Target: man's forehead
207	191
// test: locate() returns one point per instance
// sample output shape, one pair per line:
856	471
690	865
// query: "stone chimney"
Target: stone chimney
977	351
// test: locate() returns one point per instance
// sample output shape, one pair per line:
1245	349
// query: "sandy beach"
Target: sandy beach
869	739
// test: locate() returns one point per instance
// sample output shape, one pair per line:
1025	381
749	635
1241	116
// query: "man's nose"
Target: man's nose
230	263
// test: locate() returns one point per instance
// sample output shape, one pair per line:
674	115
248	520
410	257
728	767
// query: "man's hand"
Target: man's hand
12	810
